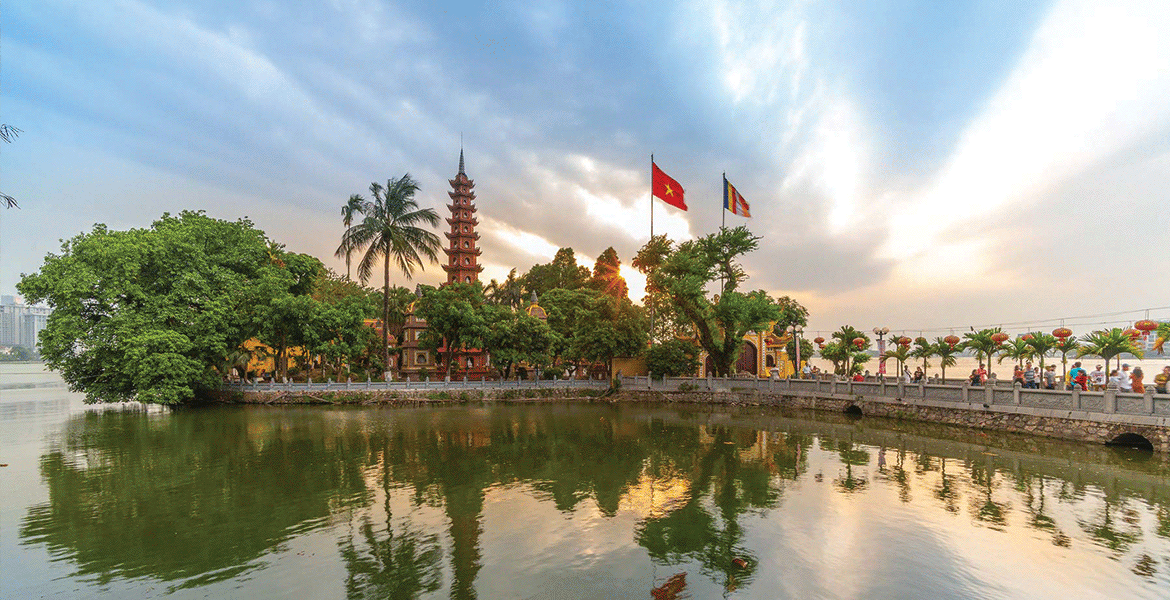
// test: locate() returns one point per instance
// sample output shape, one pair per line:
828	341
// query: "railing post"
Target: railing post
1016	393
1148	401
989	394
1076	398
1111	399
966	392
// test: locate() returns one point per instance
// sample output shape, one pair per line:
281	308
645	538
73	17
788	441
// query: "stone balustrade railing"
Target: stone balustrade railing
440	385
965	395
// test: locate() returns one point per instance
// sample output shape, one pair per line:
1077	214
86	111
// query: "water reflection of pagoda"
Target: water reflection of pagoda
462	266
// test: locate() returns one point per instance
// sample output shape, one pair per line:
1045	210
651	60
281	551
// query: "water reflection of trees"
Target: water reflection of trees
200	496
185	497
723	486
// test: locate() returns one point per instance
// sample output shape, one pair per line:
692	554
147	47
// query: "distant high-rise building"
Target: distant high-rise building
20	324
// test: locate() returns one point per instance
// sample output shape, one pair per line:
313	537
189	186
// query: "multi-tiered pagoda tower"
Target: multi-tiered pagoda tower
463	254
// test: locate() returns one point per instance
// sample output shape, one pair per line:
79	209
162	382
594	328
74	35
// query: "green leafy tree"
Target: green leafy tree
514	337
946	355
1108	343
806	351
666	322
562	273
719	323
607	277
610	327
673	358
457	319
391	231
566	309
148	314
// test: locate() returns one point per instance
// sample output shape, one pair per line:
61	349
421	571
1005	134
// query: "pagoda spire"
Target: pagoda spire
463	254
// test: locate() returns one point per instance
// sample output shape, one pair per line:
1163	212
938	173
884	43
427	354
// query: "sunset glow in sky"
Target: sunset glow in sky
909	164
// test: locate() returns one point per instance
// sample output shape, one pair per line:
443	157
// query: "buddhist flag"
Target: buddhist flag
666	189
733	201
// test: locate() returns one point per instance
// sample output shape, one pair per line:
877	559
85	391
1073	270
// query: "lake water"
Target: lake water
559	501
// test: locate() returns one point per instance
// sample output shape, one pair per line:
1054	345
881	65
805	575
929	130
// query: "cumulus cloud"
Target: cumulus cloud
886	184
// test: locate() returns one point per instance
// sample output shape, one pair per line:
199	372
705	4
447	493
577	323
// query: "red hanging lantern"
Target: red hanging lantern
1027	336
859	342
1000	337
820	341
1145	325
1133	333
952	340
1062	332
903	341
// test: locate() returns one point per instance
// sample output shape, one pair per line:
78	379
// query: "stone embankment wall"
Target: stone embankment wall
1080	425
405	397
1064	424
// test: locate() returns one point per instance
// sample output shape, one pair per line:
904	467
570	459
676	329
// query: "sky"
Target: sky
918	165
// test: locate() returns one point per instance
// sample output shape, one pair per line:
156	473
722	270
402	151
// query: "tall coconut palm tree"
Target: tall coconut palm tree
845	337
1107	343
923	349
353	207
1017	350
390	232
900	354
1042	345
1064	347
981	342
946	355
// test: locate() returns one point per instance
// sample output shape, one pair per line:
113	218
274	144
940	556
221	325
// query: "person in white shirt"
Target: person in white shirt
1097	378
1114	379
1125	384
906	376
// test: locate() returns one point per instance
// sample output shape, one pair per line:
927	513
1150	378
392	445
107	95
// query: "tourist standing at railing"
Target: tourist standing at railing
976	378
1124	384
1018	376
1097	377
1136	382
1030	376
1162	381
1114	379
1076	376
1050	377
982	374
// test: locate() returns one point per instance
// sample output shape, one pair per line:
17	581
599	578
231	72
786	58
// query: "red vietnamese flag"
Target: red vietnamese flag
663	187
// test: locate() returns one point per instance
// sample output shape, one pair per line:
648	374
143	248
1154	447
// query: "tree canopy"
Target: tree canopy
148	314
682	275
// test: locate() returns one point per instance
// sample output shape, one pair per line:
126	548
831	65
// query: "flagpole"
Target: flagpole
723	227
651	239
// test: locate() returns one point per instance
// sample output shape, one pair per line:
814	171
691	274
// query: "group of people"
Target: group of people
1031	377
1122	379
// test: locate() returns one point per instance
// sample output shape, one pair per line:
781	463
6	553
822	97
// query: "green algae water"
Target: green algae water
561	501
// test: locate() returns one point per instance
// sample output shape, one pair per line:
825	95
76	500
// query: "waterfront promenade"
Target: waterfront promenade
1099	417
1102	417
